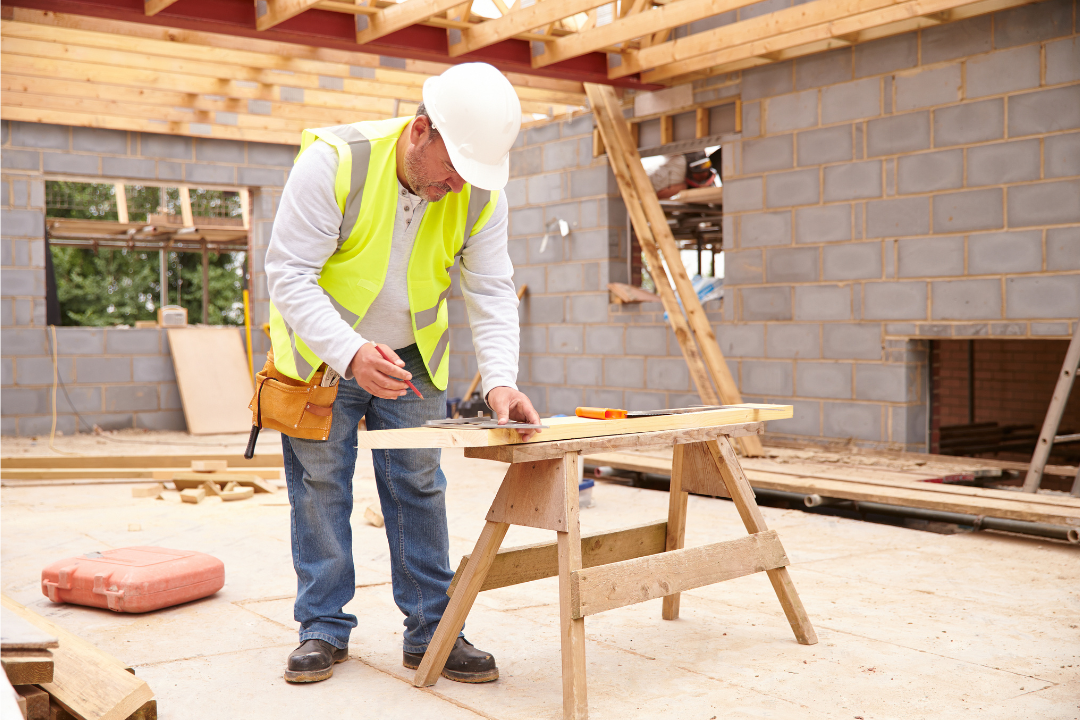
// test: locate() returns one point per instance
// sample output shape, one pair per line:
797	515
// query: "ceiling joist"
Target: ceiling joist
269	13
519	20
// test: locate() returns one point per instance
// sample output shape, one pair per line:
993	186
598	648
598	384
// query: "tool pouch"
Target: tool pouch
293	407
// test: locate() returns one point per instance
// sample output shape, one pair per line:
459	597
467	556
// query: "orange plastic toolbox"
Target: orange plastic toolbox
134	580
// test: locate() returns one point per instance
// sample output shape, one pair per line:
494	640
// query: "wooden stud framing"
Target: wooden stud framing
701	123
519	20
121	203
153	7
667	129
397	17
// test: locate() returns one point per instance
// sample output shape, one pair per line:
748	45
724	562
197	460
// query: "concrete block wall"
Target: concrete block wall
920	186
116	377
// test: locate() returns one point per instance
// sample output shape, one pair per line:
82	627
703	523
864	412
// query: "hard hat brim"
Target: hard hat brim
478	174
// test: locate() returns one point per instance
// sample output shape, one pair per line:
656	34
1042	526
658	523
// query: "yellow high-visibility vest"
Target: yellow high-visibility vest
366	192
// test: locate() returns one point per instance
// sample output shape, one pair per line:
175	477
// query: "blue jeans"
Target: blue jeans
412	493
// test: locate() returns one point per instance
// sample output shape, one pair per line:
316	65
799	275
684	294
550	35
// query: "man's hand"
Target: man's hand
511	404
376	375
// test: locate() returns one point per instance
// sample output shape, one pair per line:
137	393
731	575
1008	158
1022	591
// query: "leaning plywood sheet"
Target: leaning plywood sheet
88	682
212	373
570	428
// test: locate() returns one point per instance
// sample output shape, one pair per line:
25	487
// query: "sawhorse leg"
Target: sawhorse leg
575	701
743	496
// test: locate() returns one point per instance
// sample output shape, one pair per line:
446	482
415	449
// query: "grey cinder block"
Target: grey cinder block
163	420
898	134
24	223
926	172
560	155
646	400
40	135
1058	329
1032	23
827	223
603	339
774	153
794	341
793	111
667	374
585	371
260	177
210	173
169	170
1048	203
552	250
70	163
886	383
806	421
7	371
851	261
603	397
885	55
592	244
743	194
861	421
566	339
751	119
548	188
932	86
515	192
646	340
20	160
966	299
824	145
153	369
24	342
82	400
271	154
823	302
542	134
25	401
743	267
956	39
741	340
1063	248
798	187
784	265
1063	61
767	81
894	301
1007	252
171	147
900	216
527	161
102	370
1055	296
969	123
1003	71
99	140
548	370
527	221
119	398
591	308
625	372
130	168
1044	111
823	380
854	341
80	341
1062	153
766	303
39	371
1001	163
766	377
760	229
214	150
533	339
931	257
544	309
853	180
826	68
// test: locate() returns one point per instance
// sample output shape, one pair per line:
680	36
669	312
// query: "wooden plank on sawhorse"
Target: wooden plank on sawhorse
614	569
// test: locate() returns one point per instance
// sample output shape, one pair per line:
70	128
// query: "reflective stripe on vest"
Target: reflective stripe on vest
366	193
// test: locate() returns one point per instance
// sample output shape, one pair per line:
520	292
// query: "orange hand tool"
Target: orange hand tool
600	413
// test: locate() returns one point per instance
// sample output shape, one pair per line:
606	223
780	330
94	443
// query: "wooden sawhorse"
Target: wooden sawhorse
614	569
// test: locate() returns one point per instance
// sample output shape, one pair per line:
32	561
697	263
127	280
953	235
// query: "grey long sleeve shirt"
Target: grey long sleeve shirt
305	235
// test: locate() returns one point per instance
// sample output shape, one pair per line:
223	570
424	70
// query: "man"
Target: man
373	216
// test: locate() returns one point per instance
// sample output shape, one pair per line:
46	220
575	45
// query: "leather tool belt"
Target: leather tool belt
293	407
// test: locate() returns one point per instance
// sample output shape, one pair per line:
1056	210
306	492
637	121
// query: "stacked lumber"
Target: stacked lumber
80	681
907	488
133	468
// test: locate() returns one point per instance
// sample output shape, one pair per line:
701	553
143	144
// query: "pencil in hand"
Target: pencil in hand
387	359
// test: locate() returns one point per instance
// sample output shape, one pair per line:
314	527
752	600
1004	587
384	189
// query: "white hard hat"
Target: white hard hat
478	114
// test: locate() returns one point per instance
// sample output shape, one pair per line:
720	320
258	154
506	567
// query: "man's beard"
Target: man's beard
419	179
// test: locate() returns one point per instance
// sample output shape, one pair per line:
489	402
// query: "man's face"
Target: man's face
428	169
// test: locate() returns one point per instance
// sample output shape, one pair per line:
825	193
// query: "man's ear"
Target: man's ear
420	129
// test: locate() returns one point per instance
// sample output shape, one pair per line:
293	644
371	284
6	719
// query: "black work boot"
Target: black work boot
465	664
314	661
